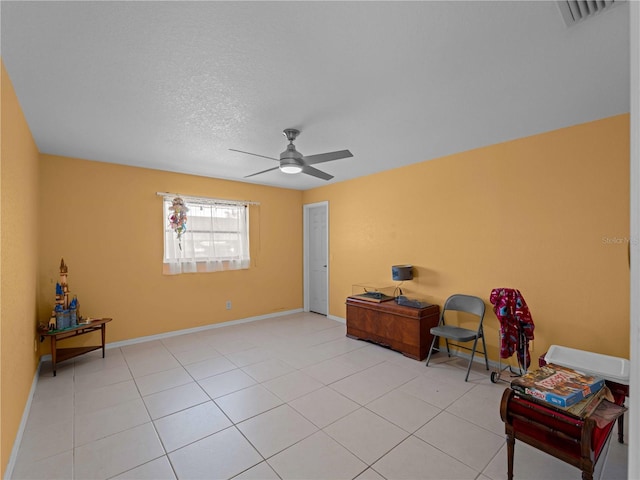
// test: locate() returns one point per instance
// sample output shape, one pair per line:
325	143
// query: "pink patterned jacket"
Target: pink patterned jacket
516	324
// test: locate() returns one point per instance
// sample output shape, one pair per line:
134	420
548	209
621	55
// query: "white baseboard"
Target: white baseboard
23	423
160	336
479	358
174	333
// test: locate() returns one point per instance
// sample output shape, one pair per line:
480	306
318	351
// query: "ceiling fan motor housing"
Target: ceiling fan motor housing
291	155
291	160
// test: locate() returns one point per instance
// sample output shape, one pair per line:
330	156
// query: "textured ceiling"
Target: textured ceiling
175	85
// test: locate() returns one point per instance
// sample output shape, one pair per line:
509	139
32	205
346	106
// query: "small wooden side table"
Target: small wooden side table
62	354
574	440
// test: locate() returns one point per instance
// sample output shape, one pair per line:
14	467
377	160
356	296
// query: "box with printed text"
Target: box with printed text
557	385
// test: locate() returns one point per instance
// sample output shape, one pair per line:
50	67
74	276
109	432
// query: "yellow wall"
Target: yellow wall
547	214
107	222
18	261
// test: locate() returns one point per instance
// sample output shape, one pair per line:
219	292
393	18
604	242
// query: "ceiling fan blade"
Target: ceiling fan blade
327	157
316	173
263	171
254	154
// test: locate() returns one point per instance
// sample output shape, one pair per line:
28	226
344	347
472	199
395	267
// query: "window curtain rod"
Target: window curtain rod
207	200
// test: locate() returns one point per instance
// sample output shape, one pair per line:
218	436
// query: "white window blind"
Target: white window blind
216	236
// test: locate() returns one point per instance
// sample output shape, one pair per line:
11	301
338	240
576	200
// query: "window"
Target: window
216	237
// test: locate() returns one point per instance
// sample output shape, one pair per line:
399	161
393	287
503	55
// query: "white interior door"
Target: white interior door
316	258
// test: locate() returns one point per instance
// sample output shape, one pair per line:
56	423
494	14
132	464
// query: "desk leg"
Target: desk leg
53	353
103	331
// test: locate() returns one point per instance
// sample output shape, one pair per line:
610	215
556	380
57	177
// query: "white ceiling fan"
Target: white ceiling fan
292	161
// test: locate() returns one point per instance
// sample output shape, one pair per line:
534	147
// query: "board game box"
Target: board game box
557	385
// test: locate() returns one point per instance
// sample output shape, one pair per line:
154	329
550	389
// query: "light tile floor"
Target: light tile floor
285	398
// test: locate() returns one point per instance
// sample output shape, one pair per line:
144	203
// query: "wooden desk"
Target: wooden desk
62	354
401	328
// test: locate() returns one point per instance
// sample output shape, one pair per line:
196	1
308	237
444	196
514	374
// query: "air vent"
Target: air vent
574	11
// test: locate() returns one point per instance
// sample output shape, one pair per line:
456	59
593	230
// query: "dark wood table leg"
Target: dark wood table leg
621	428
511	442
53	353
103	331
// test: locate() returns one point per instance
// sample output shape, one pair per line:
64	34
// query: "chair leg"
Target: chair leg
448	350
484	349
473	352
433	342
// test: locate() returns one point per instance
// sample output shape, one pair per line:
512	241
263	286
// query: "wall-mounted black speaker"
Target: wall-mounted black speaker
402	272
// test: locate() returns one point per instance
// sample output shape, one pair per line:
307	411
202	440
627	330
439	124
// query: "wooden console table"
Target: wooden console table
62	354
401	328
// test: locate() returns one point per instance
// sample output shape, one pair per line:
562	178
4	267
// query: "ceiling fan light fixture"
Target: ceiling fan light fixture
290	161
290	168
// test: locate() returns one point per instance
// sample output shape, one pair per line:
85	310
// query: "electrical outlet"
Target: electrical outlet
228	304
35	344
